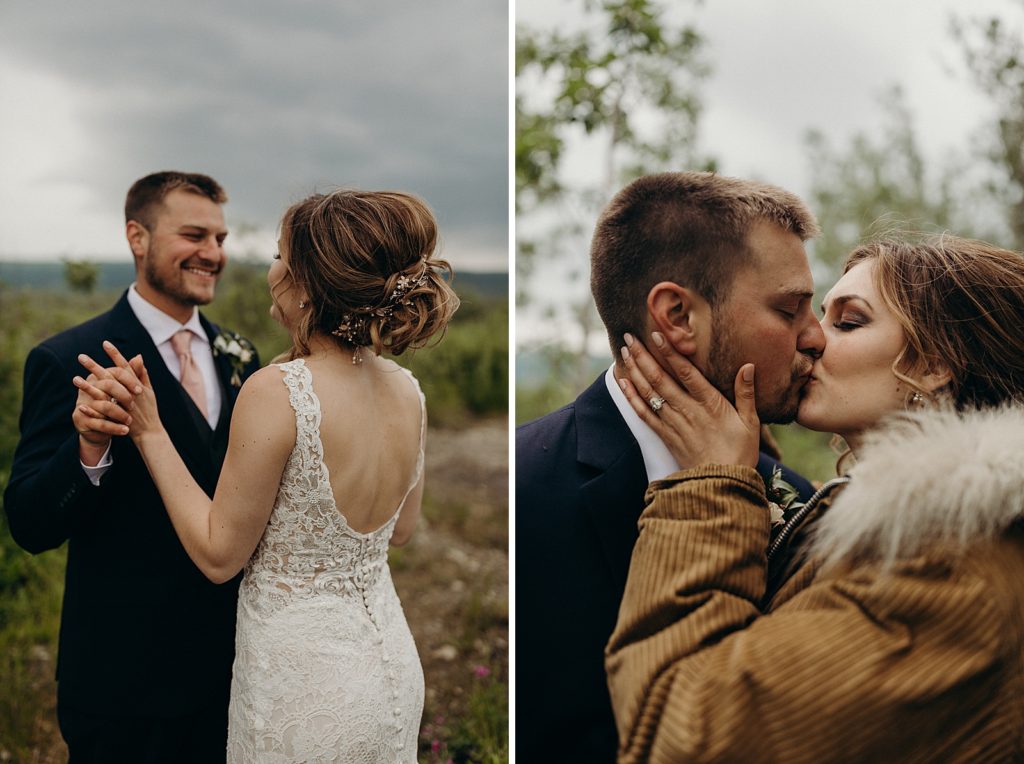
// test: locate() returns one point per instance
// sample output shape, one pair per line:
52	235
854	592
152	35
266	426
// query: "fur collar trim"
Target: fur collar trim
926	478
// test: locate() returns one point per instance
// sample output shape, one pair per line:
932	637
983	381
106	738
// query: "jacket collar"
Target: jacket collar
613	497
131	339
928	478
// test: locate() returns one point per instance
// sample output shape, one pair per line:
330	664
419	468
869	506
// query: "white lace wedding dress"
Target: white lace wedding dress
325	666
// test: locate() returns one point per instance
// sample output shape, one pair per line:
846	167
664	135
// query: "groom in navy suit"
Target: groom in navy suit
146	641
717	266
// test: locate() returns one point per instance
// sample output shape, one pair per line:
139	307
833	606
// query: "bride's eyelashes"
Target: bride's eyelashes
849	323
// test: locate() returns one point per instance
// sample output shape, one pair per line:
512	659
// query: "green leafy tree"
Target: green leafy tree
876	183
81	275
993	50
624	79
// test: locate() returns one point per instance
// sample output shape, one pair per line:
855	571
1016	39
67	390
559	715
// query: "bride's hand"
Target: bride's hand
145	416
695	421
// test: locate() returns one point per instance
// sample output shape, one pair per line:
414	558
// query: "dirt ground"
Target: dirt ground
453	576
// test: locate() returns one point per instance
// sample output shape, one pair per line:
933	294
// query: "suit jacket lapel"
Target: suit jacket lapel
614	496
225	371
132	338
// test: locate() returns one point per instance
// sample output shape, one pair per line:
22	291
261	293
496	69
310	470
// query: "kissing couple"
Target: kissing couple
190	485
687	615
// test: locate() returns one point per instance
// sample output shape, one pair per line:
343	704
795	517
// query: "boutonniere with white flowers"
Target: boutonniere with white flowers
783	499
238	350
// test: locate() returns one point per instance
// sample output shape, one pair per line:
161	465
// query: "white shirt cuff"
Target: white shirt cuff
95	473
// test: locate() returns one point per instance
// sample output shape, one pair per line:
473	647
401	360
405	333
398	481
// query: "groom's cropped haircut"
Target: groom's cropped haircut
686	227
148	193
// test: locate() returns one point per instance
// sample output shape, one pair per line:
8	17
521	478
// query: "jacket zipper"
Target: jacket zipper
806	509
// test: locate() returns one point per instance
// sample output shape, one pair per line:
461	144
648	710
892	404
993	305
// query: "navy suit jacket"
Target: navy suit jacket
580	484
143	631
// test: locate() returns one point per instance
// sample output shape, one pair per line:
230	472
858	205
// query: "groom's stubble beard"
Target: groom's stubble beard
775	407
176	290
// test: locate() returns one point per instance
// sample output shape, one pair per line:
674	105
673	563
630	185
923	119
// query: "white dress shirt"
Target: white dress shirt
161	328
658	460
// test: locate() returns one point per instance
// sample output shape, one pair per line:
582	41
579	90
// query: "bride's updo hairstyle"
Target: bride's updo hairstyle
366	262
960	302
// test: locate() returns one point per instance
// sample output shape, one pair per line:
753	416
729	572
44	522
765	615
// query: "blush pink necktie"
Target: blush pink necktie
191	377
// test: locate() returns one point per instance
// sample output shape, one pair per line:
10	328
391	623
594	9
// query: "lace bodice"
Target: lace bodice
308	546
325	666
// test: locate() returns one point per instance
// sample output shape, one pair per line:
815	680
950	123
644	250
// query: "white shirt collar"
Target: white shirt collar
158	324
658	461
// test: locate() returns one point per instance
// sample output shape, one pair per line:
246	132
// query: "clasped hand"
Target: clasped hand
115	400
695	421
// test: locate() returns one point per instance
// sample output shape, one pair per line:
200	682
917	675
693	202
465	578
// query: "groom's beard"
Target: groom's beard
773	406
170	281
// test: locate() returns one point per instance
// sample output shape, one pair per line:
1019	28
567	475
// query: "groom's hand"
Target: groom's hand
101	411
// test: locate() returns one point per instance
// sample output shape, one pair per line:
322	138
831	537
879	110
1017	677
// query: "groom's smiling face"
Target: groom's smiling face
180	259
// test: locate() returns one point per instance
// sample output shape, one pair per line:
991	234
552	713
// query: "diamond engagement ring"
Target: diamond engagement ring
656	402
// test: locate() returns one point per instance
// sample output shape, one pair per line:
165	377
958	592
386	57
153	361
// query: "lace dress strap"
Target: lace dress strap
309	449
423	434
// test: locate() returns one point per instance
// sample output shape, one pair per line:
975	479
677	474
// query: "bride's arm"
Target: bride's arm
406	522
220	535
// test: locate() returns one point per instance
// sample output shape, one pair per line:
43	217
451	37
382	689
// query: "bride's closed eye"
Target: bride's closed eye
847	326
848	322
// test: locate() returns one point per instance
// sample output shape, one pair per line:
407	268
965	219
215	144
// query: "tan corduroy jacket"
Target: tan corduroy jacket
900	638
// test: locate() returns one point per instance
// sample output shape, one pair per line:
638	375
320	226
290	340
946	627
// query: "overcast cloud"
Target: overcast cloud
273	99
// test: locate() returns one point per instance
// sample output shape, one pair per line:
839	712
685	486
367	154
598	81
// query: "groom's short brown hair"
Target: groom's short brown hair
685	227
148	193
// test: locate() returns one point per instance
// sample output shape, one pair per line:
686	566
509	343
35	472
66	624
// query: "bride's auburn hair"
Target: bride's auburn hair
960	302
349	251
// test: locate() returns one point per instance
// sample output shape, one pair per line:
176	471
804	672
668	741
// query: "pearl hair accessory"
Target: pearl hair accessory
353	324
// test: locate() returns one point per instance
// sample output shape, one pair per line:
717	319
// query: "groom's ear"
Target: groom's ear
138	238
680	314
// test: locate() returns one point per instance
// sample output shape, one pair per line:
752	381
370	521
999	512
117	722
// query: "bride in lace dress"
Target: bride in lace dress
324	469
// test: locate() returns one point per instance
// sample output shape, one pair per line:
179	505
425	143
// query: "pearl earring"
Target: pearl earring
917	399
302	304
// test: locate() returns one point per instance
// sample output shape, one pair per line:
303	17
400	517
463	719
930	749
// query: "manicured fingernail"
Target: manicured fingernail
748	373
77	380
658	339
628	338
107	342
622	384
124	430
625	353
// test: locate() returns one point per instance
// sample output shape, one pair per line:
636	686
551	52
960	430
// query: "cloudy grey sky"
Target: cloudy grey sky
782	67
273	99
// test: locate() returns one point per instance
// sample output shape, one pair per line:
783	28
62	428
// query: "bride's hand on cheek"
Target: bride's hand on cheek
696	422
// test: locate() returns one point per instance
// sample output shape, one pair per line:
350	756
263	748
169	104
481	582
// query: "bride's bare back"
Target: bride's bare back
370	428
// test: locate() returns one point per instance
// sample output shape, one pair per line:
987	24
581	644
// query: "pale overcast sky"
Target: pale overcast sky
782	67
275	100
